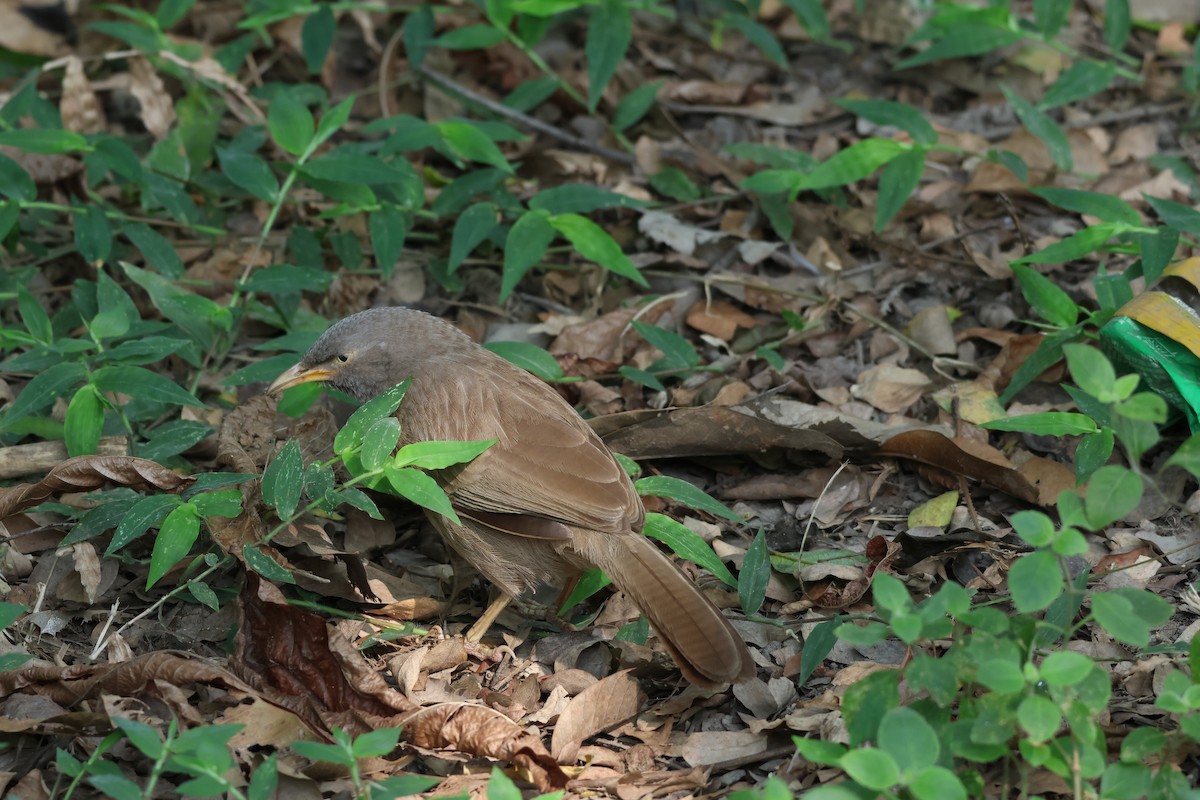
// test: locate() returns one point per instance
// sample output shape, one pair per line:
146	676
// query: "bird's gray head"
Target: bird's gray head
369	352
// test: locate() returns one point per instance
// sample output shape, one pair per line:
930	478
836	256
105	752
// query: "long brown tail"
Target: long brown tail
706	648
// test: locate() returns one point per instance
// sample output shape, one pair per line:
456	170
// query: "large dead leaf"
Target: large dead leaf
85	473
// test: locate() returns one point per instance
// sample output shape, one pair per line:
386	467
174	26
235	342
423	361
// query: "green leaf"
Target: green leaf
470	143
354	169
971	39
640	376
1186	457
527	241
316	37
291	123
42	390
1176	215
439	455
1043	128
676	184
45	141
1112	493
85	419
268	567
175	539
15	182
333	121
1050	302
112	320
685	493
470	37
581	198
415	485
249	173
1035	580
1046	423
1050	16
759	36
197	316
634	105
1117	24
811	15
1065	668
678	353
146	513
350	437
1128	614
170	12
389	229
10	613
1039	717
817	645
141	383
909	739
418	31
93	234
34	316
528	357
609	31
283	480
224	503
1078	82
379	443
159	254
897	183
890	113
1093	452
1157	249
376	743
874	769
1075	246
1106	207
471	229
591	582
852	164
531	93
687	545
754	575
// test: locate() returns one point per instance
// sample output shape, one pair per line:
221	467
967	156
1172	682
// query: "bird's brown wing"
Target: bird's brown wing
546	463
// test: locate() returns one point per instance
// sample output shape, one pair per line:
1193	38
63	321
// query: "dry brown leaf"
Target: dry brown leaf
890	388
85	473
719	318
80	108
935	450
598	707
158	111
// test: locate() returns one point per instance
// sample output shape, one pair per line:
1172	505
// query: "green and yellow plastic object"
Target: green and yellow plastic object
1157	335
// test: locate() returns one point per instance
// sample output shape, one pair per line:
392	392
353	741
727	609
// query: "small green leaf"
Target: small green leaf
469	142
687	545
471	229
890	113
675	184
316	37
34	316
634	105
1078	82
16	184
175	538
678	353
85	418
356	169
970	39
1035	528
1106	207
874	769
440	455
899	180
685	493
1117	24
1112	493
1077	245
283	480
291	123
266	566
350	437
333	121
909	739
811	15
1044	128
595	244
93	234
1093	452
413	484
46	141
42	390
379	443
418	31
141	516
249	173
852	164
528	357
1039	717
527	241
1181	217
141	383
376	743
609	31
754	575
389	229
1050	302
1046	423
1065	668
470	37
1035	580
224	503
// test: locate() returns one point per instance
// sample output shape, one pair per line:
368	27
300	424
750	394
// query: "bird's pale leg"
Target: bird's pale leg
493	610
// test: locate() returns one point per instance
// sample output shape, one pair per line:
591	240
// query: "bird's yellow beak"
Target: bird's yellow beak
298	375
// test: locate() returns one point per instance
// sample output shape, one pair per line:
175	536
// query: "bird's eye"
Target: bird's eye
343	358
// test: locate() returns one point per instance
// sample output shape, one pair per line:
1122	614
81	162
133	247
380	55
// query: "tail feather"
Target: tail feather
706	648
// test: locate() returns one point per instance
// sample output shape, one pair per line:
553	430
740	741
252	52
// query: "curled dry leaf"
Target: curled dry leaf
598	707
484	732
935	450
85	473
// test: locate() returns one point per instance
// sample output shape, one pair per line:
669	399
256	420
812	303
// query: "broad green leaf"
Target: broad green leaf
471	143
909	739
675	184
1187	456
1157	250
34	316
1039	717
283	480
759	36
84	421
1076	246
143	384
350	437
197	316
1035	580
470	37
609	31
42	390
899	115
678	353
592	581
204	594
1112	493
44	141
1050	16
1117	24
471	229
249	173
1043	128
143	515
641	376
852	164
159	254
1121	617
754	576
527	241
685	493
223	503
15	182
175	538
687	545
418	31
528	357
1046	423
1050	302
1181	217
266	566
355	169
316	37
291	123
380	440
1065	668
899	180
93	234
389	229
597	245
634	105
966	40
116	308
415	485
439	455
531	93
1078	82
1106	207
874	769
811	15
376	743
1093	452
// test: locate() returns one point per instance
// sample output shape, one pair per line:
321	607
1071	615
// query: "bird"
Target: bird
545	503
